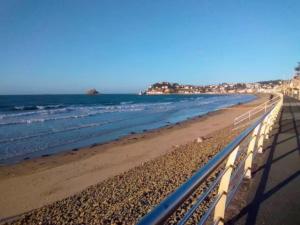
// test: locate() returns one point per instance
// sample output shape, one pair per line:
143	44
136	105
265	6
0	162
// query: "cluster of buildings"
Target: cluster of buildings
224	88
288	87
292	87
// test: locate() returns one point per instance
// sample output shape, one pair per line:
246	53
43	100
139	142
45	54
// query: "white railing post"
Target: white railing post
274	114
272	120
266	107
269	123
262	107
223	188
250	151
262	136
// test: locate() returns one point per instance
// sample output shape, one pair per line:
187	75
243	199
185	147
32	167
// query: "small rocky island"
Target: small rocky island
92	91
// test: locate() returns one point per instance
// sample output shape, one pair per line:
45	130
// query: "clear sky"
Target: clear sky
56	46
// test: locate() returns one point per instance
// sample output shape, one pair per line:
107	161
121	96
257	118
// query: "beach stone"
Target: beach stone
127	197
199	140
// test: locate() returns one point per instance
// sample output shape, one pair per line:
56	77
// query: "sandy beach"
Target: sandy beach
124	173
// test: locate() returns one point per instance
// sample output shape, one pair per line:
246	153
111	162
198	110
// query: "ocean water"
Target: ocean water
36	125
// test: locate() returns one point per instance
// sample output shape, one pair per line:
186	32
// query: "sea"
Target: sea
40	125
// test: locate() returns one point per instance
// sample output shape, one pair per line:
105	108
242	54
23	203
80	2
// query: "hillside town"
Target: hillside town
224	88
290	87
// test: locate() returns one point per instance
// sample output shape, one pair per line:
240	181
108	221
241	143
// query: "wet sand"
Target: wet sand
35	183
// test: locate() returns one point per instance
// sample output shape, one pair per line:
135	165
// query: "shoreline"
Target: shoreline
49	153
14	161
45	180
69	156
133	136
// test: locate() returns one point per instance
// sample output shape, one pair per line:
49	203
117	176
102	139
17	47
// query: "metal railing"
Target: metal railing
251	114
232	164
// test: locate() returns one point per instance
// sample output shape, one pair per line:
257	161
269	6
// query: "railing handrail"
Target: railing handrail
173	201
261	107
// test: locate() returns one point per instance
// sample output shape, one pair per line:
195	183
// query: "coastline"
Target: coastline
45	180
48	125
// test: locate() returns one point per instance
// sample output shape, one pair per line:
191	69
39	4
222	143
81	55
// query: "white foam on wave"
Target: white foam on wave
126	103
55	112
19	107
74	112
41	107
17	141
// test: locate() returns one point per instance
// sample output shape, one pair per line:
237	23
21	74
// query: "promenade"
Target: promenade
273	194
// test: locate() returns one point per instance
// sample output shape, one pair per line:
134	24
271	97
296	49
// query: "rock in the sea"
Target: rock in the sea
92	92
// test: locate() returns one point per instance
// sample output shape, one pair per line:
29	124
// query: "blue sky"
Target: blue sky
56	46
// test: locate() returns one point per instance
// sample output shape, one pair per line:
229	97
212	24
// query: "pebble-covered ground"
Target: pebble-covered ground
125	198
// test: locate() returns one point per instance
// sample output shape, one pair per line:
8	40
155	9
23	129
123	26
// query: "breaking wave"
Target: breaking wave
73	112
55	123
36	107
